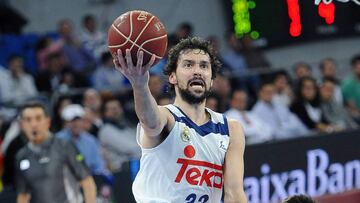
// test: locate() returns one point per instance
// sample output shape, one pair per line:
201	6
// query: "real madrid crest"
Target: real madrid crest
185	134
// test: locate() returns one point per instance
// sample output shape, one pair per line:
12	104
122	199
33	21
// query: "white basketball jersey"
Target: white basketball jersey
187	166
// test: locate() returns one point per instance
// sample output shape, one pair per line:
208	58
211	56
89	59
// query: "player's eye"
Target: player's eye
204	66
187	65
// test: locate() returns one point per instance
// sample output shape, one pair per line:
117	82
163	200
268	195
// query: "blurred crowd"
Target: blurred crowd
91	103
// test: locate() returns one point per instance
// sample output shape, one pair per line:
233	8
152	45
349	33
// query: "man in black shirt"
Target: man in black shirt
40	164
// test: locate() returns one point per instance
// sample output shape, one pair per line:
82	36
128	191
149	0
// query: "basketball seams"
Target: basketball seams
119	45
142	31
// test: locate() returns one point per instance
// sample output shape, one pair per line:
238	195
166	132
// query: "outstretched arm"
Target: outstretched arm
152	117
234	165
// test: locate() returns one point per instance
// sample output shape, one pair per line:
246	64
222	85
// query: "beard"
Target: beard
191	98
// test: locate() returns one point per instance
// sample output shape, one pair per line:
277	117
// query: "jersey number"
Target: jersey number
192	198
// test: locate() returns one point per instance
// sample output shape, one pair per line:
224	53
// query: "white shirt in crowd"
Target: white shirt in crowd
256	131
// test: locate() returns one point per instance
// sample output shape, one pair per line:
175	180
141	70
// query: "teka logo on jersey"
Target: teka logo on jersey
210	175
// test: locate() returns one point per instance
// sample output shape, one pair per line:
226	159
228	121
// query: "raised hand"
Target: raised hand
138	74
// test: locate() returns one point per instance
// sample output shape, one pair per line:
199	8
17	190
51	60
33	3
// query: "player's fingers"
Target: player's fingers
151	62
120	59
128	58
140	56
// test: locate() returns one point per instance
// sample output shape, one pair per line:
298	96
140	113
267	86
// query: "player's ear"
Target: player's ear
172	78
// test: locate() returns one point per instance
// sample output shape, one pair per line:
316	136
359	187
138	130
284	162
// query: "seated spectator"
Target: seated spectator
301	69
117	136
222	88
156	85
18	85
183	31
284	124
333	111
307	106
91	38
56	120
107	78
92	101
254	57
283	91
256	131
86	143
46	47
213	102
351	89
328	68
80	59
233	58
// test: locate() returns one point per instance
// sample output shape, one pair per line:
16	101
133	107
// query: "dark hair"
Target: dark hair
187	44
322	62
105	57
303	64
355	59
13	57
32	105
299	199
87	18
316	101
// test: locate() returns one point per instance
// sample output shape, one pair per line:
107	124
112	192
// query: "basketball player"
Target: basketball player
189	152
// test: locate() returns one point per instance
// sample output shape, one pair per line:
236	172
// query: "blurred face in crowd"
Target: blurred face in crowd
65	29
76	126
302	70
239	100
113	110
267	92
222	86
16	66
90	24
308	90
92	99
328	68
35	124
89	119
327	91
280	83
356	69
212	103
155	85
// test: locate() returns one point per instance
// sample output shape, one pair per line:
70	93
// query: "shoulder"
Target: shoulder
236	133
21	154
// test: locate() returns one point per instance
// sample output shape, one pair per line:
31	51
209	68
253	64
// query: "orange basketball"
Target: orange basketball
138	30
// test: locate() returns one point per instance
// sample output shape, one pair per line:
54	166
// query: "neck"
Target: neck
41	139
196	112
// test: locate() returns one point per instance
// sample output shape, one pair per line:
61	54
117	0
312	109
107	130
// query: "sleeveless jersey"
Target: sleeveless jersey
187	166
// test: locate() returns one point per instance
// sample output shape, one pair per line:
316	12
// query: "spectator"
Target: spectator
80	59
256	131
328	68
301	70
93	39
233	59
333	111
351	88
86	143
45	47
57	121
183	31
92	100
18	85
213	102
254	57
307	106
117	137
283	91
106	77
156	85
278	116
222	87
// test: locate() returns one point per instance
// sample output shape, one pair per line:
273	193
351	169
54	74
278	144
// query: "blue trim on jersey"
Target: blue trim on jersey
205	129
